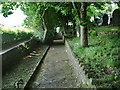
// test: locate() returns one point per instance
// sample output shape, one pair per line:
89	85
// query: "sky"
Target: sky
15	19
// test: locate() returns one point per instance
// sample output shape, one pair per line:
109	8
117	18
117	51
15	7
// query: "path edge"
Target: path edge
85	82
37	66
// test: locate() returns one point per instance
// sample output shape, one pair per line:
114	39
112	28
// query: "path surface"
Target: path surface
56	71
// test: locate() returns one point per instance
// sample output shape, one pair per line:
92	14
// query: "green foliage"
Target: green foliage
35	10
100	59
33	20
50	34
38	34
118	3
50	18
35	13
10	35
92	11
14	30
8	7
106	28
26	46
70	33
92	33
99	5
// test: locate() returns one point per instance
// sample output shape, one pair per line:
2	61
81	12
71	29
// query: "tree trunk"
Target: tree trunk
83	37
78	30
81	11
63	21
74	28
83	29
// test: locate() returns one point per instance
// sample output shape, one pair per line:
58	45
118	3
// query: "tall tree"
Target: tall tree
81	9
79	12
83	28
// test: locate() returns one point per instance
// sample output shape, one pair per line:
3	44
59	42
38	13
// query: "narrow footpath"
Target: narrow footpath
55	71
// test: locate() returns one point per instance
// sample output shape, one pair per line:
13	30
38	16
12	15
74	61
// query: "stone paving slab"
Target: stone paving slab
55	71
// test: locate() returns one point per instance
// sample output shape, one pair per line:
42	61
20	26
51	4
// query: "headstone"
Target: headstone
105	20
110	21
116	17
99	19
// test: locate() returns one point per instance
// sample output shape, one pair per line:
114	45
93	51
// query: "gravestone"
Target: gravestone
100	15
98	21
110	21
105	20
116	17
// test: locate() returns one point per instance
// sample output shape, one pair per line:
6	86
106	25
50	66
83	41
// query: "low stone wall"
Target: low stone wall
12	57
78	69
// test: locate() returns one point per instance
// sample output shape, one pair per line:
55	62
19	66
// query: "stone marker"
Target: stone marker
105	20
111	21
98	21
116	18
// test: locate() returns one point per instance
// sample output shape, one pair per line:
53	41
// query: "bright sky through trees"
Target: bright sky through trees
16	19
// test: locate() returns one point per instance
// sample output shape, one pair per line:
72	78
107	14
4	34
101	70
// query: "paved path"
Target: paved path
56	71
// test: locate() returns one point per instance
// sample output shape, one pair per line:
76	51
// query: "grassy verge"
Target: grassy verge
100	59
106	28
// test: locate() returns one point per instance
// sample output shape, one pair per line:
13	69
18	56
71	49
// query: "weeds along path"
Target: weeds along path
55	71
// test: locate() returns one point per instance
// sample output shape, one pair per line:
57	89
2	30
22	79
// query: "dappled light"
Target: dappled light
60	45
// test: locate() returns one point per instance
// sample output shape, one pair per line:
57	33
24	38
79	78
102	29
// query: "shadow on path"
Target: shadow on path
55	71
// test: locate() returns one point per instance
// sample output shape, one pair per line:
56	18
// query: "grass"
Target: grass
100	59
107	28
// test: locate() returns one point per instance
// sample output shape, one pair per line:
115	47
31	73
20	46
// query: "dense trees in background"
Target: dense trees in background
79	13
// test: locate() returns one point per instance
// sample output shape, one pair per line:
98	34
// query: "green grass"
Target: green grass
107	28
100	59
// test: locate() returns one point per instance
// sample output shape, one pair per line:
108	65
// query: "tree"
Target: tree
80	13
8	7
85	10
83	28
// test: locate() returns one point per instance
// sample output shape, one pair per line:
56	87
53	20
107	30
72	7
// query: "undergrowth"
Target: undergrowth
101	59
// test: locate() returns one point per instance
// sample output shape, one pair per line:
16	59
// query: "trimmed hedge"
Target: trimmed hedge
12	36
